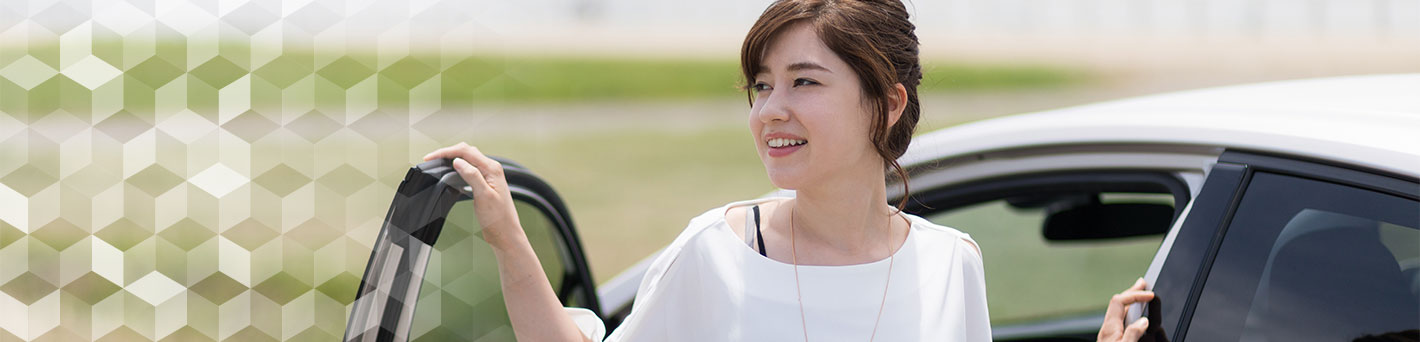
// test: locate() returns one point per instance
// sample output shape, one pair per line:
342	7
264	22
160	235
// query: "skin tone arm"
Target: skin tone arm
533	307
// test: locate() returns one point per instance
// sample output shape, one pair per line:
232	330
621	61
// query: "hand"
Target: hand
1113	329
492	202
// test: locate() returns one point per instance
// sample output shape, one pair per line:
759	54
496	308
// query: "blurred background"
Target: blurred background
218	169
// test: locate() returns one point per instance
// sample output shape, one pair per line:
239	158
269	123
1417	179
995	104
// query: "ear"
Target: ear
897	103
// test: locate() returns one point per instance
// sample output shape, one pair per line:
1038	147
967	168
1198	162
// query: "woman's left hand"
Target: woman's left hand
1113	329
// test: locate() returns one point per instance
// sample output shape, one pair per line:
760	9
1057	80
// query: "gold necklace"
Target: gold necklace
794	252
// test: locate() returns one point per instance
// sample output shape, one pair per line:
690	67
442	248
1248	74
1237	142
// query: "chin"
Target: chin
785	179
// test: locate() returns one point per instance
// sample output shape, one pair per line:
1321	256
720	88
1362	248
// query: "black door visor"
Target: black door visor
384	304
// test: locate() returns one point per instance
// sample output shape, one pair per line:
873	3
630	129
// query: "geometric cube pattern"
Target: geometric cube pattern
456	301
211	170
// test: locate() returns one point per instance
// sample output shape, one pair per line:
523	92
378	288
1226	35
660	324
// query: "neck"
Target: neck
841	216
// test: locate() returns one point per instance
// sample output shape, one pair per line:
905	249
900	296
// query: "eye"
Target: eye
804	81
759	87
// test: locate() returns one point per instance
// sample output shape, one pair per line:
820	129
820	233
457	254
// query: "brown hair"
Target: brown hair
875	38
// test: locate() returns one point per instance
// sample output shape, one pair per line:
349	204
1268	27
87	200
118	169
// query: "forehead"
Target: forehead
795	44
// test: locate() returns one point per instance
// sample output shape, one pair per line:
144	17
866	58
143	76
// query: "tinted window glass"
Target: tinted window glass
1306	260
1029	278
461	299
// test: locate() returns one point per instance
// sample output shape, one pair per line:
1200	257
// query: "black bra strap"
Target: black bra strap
757	235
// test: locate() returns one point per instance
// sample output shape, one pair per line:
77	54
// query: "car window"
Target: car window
1030	278
461	298
1308	260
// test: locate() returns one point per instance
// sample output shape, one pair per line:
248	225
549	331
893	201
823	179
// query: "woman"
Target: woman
833	91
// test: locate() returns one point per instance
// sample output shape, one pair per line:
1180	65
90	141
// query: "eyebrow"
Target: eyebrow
802	66
807	66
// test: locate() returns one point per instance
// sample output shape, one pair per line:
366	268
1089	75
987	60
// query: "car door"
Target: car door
1057	243
431	276
1283	249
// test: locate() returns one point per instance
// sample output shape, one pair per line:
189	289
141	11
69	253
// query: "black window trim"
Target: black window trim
948	197
1346	174
1248	163
526	186
1191	256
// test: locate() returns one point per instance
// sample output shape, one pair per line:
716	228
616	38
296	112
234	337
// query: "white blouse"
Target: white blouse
709	286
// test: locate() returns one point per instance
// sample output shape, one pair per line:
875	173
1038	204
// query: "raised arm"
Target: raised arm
533	307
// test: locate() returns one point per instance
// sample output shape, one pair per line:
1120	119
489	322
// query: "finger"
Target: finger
1118	305
472	176
1114	314
1131	297
1138	285
471	154
1136	330
489	166
451	152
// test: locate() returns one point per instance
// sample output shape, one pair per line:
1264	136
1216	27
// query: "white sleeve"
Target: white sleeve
588	322
648	298
634	327
659	298
978	317
649	311
653	305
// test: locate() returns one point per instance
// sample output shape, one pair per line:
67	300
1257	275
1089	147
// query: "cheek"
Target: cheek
756	128
842	135
845	121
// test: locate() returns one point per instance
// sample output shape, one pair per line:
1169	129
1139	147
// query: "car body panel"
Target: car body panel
1368	121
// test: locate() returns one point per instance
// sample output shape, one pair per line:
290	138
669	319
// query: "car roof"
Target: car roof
1371	121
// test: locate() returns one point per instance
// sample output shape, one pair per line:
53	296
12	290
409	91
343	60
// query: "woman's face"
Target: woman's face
808	118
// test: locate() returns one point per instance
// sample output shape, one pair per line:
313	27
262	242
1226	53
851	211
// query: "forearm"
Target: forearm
535	311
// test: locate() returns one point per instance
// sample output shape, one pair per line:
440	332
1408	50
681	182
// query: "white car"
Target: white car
1286	211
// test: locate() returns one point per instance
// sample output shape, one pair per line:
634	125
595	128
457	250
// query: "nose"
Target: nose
773	107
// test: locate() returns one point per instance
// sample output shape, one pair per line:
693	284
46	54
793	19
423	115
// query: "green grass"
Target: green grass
632	192
559	79
543	79
939	76
282	76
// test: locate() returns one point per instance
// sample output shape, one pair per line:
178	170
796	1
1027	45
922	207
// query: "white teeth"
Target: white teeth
780	142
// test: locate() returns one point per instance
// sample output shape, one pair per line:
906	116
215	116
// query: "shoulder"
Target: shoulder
962	280
737	214
940	235
682	254
694	237
669	271
698	227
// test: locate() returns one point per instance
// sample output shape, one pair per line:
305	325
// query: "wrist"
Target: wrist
505	240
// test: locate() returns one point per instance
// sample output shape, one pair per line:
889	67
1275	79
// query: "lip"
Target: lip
777	152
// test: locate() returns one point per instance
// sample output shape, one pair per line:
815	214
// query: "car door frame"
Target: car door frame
578	275
1189	252
1104	179
429	192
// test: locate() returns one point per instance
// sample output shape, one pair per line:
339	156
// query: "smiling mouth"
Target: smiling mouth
781	142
